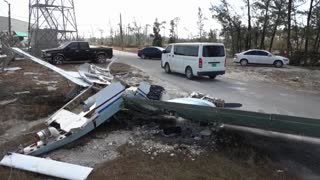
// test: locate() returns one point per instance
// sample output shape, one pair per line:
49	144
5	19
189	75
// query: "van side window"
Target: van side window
168	49
186	50
213	51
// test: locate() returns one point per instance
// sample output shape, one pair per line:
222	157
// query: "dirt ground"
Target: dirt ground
298	78
132	145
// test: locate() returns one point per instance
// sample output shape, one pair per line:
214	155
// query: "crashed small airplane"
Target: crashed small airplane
98	96
99	100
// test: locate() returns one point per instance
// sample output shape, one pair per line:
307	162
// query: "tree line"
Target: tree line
281	25
286	27
134	34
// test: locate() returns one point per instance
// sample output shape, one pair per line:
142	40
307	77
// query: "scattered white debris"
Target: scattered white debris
23	92
105	146
31	73
152	147
6	102
46	82
62	72
52	88
296	79
12	69
206	132
280	171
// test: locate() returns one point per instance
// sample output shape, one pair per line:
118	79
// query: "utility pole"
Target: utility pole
9	16
101	36
121	33
289	29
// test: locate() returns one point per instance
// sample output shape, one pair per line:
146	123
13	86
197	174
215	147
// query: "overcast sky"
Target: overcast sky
93	15
98	14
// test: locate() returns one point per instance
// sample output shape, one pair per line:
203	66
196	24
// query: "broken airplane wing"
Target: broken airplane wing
81	115
69	75
46	166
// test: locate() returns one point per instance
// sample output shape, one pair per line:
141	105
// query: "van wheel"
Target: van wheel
167	68
189	73
212	76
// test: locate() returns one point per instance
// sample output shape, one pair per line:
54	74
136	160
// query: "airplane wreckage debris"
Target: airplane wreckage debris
46	166
99	96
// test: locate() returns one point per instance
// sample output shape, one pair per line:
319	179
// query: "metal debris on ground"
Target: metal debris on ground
73	77
218	102
7	41
12	68
23	92
6	102
80	116
46	166
155	92
94	74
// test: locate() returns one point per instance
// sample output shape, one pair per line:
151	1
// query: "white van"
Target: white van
195	59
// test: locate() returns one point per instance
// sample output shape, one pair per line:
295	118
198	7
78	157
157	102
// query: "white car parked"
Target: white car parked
256	56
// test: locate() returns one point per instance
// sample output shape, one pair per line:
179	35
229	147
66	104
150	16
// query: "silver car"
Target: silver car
256	56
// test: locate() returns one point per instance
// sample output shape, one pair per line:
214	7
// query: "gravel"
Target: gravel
104	146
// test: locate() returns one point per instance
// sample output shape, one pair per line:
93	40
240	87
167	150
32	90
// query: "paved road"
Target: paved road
255	96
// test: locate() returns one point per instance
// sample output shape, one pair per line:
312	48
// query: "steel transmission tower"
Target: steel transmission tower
51	22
